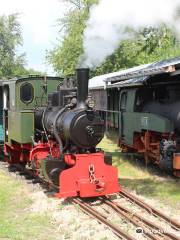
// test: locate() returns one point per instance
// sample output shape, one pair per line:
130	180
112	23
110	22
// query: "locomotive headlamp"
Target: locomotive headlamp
90	103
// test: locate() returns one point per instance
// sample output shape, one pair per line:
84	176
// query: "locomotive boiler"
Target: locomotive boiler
75	126
56	134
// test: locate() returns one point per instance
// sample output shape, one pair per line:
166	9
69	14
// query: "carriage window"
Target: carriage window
26	92
123	101
143	96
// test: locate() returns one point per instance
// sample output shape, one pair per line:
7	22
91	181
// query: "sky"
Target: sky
38	19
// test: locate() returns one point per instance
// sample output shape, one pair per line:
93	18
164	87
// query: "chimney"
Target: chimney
82	76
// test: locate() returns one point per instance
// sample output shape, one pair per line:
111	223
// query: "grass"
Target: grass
136	176
16	221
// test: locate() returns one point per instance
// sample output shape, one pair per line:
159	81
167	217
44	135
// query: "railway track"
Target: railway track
147	228
102	218
151	229
157	213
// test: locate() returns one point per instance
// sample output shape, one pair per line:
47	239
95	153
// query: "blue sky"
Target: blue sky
39	28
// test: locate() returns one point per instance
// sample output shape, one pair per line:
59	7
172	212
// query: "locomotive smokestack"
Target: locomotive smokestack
82	76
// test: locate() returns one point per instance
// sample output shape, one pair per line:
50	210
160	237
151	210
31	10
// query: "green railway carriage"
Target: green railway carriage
131	119
143	104
21	97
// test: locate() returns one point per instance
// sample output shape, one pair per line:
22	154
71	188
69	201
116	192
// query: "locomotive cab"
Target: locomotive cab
21	96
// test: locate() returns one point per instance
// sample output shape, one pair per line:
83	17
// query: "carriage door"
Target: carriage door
6	106
122	110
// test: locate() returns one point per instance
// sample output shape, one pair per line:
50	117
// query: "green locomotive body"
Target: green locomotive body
21	97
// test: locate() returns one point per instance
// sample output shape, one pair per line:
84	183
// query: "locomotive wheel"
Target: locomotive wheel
166	160
51	169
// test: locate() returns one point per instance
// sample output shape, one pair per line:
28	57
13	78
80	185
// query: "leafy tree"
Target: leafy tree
65	56
10	39
12	64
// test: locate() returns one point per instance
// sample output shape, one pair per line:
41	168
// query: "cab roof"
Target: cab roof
31	77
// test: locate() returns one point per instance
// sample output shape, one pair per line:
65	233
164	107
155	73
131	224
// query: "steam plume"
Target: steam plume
109	19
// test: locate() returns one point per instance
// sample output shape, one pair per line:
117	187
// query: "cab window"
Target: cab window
123	101
26	92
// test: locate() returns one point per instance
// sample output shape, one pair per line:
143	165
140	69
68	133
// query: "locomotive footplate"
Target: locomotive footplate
89	177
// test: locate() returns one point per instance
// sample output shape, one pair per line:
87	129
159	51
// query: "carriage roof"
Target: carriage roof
137	75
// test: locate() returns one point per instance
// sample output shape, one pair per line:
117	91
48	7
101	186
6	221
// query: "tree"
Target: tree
65	56
10	39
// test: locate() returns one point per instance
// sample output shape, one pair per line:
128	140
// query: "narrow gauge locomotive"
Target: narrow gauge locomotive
143	104
56	132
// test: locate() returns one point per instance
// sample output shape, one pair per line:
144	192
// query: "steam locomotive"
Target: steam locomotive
57	140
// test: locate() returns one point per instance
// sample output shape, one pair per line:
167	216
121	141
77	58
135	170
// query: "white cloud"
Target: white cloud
38	20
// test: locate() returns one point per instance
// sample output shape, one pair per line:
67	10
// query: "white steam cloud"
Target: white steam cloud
108	20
